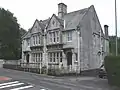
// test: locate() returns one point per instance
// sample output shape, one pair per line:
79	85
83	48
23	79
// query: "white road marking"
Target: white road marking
8	83
42	89
16	84
45	88
20	88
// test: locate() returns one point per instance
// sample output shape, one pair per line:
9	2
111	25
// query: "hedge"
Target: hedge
112	66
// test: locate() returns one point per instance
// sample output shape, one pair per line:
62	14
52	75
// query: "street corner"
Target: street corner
4	78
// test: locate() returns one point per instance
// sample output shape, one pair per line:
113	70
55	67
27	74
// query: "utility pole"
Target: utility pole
116	27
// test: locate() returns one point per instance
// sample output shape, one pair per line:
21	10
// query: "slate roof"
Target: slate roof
72	19
45	22
26	35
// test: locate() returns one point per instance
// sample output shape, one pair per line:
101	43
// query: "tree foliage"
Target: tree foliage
22	32
112	44
9	36
112	66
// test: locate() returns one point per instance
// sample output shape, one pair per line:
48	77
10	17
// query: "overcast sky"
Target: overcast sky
27	11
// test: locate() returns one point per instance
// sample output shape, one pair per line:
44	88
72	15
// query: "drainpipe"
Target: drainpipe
78	38
45	57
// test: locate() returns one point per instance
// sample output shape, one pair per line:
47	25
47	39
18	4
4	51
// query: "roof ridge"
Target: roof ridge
77	11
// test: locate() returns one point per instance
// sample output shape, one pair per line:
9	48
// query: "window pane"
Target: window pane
69	36
76	56
36	39
57	56
41	57
36	57
50	36
54	57
57	34
33	57
60	56
54	36
50	57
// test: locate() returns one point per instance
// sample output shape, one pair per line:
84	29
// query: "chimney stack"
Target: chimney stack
62	10
106	31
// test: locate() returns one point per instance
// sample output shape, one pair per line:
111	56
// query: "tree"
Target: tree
22	32
9	36
112	44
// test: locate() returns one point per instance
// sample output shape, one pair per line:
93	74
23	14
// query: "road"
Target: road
18	80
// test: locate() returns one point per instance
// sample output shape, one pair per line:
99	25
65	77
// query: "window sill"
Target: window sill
69	41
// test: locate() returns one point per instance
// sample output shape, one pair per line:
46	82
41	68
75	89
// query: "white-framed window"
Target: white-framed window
69	36
55	57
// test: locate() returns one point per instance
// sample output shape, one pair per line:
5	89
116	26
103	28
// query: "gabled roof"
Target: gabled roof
59	20
26	35
102	34
72	19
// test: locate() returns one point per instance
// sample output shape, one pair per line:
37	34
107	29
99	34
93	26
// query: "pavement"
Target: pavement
19	80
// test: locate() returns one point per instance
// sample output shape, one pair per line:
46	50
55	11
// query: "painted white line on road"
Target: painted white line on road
8	83
42	89
20	88
16	84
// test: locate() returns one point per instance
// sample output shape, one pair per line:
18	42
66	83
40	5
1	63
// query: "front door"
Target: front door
69	58
27	58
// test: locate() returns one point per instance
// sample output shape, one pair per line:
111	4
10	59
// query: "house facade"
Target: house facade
73	41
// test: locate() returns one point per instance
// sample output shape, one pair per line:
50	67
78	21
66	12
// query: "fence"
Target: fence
27	67
51	70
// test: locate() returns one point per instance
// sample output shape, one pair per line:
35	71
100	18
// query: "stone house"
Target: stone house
73	40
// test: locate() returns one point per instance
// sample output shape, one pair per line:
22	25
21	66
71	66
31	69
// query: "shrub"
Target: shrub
43	70
54	72
112	66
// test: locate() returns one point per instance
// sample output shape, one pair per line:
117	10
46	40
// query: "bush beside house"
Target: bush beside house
112	66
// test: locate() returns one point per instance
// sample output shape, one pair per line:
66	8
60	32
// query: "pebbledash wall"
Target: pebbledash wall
54	42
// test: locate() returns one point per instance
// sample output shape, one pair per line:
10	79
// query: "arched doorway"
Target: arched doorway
27	58
69	58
